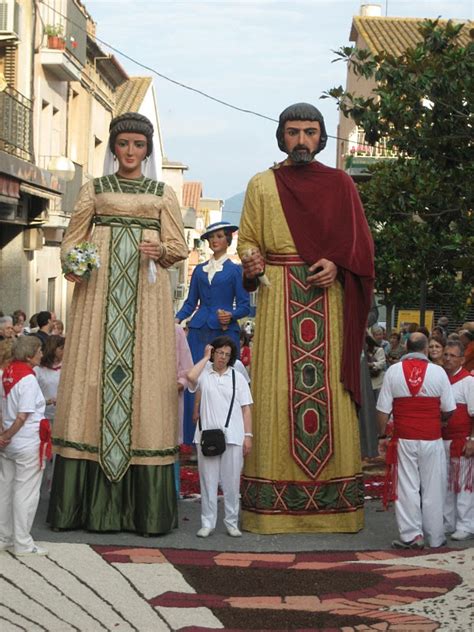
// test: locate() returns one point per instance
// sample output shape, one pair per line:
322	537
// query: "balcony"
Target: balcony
16	124
61	64
358	155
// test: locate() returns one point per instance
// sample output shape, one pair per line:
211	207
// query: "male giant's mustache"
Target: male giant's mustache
300	154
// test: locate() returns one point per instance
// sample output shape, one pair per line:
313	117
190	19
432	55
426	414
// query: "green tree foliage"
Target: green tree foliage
419	204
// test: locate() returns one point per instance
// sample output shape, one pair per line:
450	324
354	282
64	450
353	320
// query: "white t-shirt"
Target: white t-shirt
48	380
24	397
436	384
216	395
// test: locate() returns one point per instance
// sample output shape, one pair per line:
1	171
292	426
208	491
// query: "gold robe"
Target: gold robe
278	495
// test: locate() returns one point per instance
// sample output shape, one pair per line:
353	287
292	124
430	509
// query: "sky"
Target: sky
260	56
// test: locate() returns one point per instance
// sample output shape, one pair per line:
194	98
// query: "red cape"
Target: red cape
326	220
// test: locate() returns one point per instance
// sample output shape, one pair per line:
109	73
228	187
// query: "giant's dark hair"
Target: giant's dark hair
301	112
131	122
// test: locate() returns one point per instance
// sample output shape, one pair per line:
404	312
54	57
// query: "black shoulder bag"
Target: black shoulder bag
213	441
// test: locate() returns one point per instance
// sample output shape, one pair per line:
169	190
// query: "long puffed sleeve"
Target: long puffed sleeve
191	302
172	230
80	225
250	229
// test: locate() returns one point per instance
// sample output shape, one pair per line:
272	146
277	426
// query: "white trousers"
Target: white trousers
224	469
421	489
458	508
20	482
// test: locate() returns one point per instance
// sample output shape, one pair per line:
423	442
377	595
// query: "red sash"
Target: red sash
15	372
461	474
417	418
459	427
45	451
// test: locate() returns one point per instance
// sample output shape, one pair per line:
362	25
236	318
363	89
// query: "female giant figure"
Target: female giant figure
116	420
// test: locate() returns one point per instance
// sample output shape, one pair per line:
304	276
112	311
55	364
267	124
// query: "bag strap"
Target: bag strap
231	402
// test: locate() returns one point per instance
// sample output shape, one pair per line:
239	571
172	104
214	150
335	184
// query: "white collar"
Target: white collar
214	265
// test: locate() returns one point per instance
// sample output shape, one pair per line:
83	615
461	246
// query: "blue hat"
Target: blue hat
227	226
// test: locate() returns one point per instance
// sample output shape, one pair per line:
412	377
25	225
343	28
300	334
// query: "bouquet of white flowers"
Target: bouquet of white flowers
82	259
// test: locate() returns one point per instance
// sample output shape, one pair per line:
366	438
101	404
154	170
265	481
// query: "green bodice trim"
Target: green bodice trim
115	184
92	449
132	222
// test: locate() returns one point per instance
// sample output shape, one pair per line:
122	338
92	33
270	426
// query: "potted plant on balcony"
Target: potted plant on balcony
54	34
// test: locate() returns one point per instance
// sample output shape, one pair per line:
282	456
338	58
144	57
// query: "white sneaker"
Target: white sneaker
5	546
459	534
36	550
234	532
204	532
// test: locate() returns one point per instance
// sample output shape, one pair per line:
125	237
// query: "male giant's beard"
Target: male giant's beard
301	155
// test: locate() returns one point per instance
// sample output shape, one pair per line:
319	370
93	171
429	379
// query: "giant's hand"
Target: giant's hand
323	273
152	249
224	317
253	264
73	278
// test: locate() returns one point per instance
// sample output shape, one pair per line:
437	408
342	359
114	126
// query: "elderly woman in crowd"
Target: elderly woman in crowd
6	327
21	448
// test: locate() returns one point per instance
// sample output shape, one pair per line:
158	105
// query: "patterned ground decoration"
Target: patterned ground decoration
79	587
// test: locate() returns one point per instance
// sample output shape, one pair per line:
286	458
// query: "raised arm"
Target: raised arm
195	372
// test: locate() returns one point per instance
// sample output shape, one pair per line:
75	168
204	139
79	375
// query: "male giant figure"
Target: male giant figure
419	396
304	226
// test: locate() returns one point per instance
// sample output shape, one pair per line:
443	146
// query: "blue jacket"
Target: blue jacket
226	287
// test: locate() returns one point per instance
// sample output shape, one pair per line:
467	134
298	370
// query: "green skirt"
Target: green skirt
83	498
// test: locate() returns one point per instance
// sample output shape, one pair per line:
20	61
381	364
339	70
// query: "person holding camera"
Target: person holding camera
223	433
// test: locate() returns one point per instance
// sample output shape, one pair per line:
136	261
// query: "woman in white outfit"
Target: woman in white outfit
21	470
215	381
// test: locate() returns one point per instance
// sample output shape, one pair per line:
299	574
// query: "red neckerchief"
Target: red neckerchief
414	371
15	372
460	375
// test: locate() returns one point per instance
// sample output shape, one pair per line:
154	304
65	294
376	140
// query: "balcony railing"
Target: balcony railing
360	147
16	124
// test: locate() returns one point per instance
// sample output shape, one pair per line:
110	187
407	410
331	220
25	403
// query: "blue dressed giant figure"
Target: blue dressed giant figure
217	299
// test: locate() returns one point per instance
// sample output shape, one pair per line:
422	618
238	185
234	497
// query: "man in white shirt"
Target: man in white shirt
420	397
215	380
458	438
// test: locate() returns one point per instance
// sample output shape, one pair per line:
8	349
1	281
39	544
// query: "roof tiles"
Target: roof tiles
192	193
130	94
395	35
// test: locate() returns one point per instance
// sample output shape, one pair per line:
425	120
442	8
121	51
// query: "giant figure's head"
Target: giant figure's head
300	153
131	122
